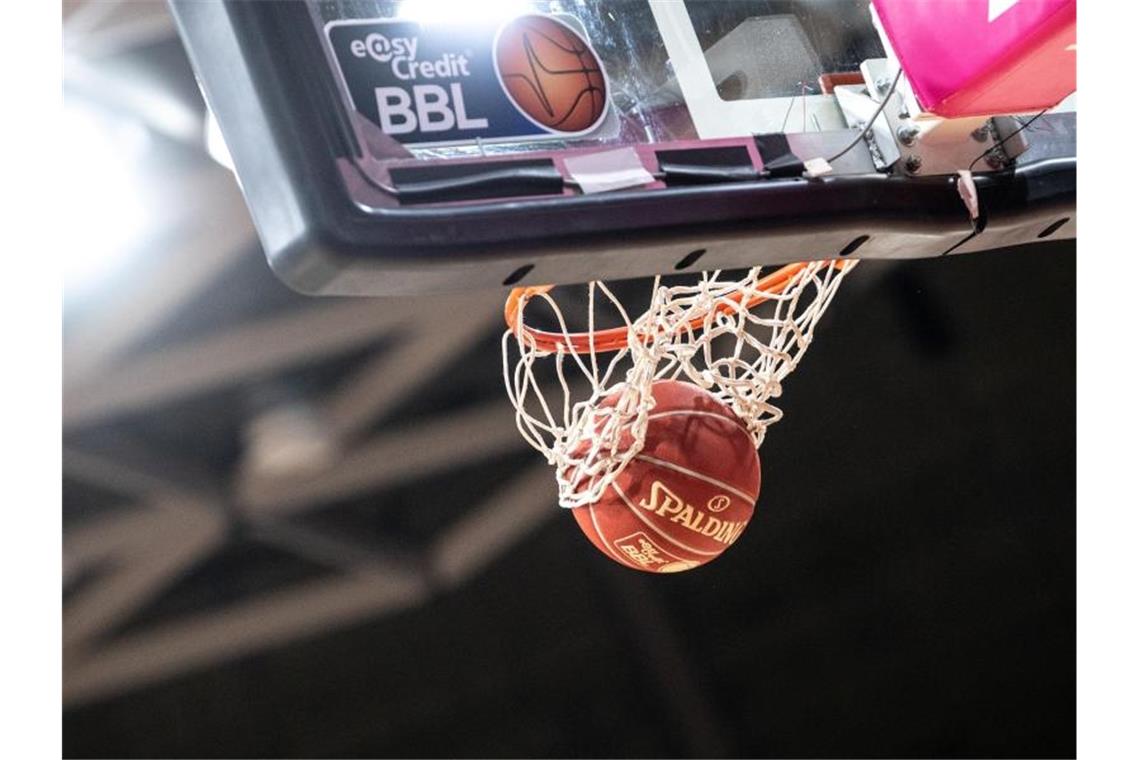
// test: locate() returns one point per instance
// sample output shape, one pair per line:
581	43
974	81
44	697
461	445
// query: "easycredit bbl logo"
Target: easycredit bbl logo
534	77
381	49
418	104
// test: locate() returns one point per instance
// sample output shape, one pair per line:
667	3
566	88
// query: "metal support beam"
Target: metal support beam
506	517
396	456
246	351
126	466
147	551
206	638
385	381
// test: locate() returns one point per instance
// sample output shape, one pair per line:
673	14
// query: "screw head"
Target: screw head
995	159
982	133
912	164
907	134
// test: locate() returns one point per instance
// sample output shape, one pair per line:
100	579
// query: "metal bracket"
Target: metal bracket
926	144
858	107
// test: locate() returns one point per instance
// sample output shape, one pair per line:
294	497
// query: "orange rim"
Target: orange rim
617	338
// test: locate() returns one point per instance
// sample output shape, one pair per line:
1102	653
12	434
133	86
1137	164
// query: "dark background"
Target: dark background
906	588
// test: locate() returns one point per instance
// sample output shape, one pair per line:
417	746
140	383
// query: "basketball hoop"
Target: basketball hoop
735	337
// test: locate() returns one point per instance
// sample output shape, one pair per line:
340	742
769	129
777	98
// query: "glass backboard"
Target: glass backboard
418	145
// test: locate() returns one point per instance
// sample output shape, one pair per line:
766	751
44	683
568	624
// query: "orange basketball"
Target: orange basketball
551	73
687	496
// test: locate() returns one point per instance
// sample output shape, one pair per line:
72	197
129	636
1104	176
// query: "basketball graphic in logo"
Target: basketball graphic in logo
551	74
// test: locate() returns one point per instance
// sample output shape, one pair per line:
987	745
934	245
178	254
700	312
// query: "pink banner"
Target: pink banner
984	57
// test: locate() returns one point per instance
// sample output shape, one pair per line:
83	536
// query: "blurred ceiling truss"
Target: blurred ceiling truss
183	514
173	513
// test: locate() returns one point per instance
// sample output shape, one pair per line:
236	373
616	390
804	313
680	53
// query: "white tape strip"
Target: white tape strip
608	170
968	191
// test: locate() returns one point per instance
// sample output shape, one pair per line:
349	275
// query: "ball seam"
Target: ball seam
698	475
609	548
697	413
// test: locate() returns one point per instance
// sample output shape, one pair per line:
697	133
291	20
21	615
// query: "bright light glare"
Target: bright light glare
464	12
290	439
107	214
215	143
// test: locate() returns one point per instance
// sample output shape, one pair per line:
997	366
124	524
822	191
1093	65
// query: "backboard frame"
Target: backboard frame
320	239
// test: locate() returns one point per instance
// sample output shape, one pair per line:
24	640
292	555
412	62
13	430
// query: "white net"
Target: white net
583	399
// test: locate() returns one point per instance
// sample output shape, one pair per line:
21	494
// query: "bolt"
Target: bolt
982	133
907	134
904	114
912	164
995	159
882	83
